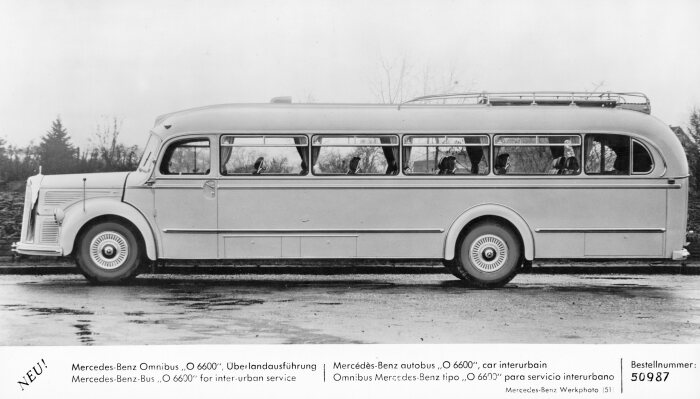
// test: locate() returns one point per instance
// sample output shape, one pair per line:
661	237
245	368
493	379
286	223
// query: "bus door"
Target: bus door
185	200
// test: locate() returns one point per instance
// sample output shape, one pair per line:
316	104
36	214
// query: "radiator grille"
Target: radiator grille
49	232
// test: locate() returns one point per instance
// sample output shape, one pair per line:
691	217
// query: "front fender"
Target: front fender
75	218
490	210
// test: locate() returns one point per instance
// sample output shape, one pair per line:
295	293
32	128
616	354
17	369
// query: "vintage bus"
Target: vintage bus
484	182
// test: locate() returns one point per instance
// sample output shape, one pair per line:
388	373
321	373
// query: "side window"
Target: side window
607	154
537	155
355	155
642	162
445	155
264	155
187	157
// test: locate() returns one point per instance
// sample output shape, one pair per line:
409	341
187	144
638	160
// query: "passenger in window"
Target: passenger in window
501	164
558	166
571	166
354	167
447	165
391	168
260	166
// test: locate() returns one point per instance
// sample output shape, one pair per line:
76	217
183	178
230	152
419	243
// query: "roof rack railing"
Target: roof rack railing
606	99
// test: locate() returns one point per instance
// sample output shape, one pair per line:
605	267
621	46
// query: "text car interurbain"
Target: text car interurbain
485	182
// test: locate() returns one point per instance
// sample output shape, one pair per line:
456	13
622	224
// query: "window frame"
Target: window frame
165	147
651	156
264	137
313	144
580	144
632	139
488	153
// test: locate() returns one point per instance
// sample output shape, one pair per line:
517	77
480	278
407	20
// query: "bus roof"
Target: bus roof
426	119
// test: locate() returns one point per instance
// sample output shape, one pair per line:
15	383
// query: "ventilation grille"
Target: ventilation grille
49	232
58	198
63	198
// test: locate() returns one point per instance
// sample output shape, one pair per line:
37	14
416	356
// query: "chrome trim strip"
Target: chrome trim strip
600	230
434	187
302	231
290	235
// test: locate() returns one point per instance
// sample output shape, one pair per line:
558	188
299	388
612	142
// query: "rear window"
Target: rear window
642	162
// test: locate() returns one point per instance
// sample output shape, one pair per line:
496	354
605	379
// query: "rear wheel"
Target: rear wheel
489	255
108	252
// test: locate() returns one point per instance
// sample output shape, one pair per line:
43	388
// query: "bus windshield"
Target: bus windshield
148	158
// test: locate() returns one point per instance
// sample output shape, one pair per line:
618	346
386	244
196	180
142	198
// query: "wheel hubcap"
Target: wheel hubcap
109	250
488	253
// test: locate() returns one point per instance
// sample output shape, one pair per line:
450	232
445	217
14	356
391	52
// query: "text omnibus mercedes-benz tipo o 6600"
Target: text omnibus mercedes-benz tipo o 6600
484	182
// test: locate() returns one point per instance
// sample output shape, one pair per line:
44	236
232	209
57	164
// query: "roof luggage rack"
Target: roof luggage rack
633	101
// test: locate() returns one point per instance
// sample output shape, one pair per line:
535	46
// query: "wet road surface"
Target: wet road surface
382	308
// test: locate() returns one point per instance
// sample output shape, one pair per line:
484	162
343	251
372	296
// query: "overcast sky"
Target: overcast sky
87	60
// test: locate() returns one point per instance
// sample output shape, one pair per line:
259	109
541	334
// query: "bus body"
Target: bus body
485	188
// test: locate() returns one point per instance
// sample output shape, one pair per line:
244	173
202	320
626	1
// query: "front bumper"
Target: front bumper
38	250
681	254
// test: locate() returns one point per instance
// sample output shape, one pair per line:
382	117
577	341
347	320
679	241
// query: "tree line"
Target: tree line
56	154
692	149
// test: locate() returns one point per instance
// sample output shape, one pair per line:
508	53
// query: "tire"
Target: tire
108	252
489	255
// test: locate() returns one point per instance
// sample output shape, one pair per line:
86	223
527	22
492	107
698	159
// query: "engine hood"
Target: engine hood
113	180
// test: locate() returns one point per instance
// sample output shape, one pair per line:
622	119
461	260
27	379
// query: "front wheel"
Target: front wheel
489	255
108	253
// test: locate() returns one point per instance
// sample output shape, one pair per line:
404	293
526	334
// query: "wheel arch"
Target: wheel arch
97	210
493	212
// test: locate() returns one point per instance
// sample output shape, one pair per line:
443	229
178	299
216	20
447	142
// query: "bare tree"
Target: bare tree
597	85
398	80
389	87
113	155
106	140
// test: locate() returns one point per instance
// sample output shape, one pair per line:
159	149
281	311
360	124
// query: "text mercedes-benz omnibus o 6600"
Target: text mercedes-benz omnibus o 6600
484	182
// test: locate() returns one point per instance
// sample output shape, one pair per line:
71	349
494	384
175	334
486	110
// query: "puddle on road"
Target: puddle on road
137	313
627	291
84	332
611	278
46	311
53	311
139	321
213	301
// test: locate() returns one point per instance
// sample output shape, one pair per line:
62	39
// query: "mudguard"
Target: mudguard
76	218
490	210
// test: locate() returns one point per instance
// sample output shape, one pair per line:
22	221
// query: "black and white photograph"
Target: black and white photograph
350	198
